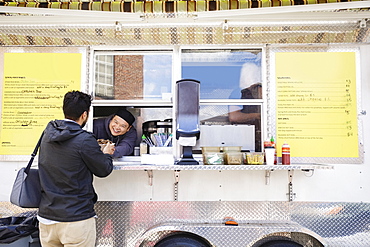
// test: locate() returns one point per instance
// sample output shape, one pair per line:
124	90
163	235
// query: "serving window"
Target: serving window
231	86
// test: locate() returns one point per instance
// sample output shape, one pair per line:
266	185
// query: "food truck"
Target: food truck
219	81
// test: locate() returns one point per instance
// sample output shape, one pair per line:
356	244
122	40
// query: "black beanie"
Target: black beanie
126	115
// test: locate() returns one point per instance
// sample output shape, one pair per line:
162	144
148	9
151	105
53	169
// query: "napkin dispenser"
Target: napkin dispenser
187	116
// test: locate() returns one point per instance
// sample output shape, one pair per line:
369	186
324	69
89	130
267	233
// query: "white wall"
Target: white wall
346	182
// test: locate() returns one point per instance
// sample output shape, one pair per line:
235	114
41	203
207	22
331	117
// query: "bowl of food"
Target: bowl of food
233	158
102	143
213	158
254	158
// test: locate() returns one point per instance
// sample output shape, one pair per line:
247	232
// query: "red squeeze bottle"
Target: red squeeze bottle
285	154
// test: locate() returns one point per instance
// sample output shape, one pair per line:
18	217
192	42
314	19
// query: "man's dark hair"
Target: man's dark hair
75	103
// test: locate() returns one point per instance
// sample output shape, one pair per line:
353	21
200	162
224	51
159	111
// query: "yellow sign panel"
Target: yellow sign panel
34	85
316	111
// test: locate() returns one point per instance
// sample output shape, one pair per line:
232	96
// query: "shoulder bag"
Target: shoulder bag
26	192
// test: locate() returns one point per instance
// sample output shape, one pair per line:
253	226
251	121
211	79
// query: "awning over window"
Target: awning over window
148	23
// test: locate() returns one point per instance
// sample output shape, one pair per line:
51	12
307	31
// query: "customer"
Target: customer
69	157
118	129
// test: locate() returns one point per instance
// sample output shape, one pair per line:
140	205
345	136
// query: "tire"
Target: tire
281	243
182	241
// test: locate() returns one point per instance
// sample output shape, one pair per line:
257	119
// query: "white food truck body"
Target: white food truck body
312	202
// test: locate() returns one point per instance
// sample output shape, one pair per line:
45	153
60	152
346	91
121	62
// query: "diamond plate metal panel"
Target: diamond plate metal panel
311	224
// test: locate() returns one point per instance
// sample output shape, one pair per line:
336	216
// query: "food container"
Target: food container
102	143
254	158
233	158
211	149
233	149
213	158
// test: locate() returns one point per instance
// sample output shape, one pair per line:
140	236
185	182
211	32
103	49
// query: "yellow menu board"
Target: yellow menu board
316	111
34	85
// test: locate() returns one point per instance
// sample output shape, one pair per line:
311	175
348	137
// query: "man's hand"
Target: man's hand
109	148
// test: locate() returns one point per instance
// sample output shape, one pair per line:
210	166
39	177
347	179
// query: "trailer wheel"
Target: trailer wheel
182	240
281	243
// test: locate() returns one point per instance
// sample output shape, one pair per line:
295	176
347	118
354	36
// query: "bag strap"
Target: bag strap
33	154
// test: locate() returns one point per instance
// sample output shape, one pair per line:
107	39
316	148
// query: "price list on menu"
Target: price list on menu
316	112
34	85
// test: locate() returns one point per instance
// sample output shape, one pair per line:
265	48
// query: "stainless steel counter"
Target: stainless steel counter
125	165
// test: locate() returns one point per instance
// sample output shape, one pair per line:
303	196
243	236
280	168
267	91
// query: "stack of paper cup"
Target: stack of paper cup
270	155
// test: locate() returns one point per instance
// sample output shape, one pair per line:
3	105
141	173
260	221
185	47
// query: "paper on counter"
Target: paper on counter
187	141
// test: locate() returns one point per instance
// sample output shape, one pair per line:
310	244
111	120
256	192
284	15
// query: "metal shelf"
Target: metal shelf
137	166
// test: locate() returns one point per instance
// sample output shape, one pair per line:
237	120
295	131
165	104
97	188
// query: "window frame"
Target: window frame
176	75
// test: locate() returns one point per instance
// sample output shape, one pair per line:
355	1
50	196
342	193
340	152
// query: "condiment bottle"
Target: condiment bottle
285	154
274	145
143	145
